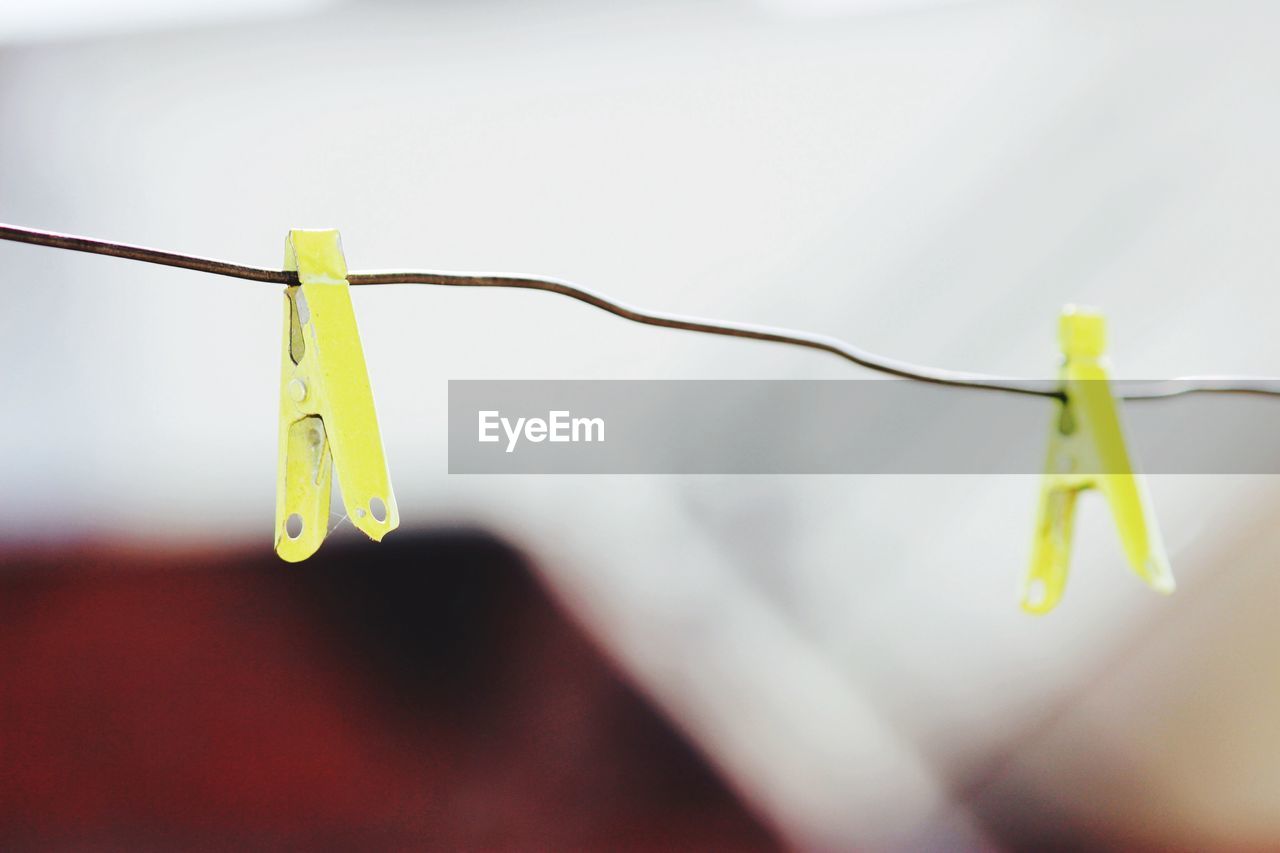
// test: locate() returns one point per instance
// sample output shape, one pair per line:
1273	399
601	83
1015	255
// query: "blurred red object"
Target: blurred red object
421	693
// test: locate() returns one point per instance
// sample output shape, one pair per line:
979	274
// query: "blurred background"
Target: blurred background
599	662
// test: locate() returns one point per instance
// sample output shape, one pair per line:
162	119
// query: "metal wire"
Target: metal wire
1038	388
140	253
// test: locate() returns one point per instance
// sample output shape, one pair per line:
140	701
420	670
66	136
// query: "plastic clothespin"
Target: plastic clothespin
326	406
1087	450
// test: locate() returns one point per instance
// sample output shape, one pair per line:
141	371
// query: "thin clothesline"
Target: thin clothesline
1162	389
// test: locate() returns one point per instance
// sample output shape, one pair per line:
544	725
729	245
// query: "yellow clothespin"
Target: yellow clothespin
326	406
1086	451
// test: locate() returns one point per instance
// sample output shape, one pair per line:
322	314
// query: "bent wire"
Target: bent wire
1180	386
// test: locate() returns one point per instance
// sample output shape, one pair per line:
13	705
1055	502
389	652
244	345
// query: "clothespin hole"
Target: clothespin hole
1035	592
293	526
304	313
378	509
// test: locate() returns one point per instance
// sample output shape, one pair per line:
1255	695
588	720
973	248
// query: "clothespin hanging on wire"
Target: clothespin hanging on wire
1087	451
326	406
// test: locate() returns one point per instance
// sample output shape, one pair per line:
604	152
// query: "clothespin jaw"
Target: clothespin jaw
327	417
1087	450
